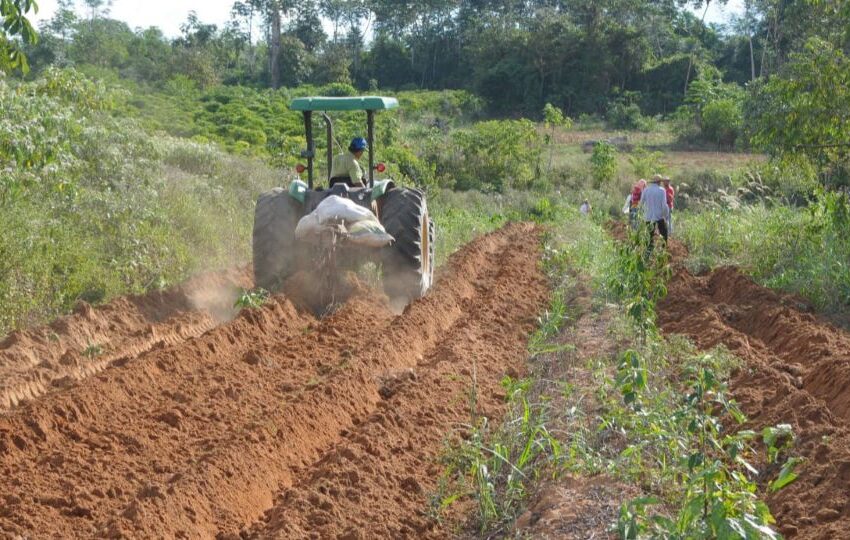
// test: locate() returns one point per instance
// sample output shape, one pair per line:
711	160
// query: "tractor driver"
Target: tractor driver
346	169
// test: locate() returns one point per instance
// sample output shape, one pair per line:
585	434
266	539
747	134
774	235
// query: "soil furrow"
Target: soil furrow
797	370
197	438
375	484
32	362
301	429
180	407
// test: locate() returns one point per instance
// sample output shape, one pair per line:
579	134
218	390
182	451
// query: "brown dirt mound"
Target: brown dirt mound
93	338
797	369
313	427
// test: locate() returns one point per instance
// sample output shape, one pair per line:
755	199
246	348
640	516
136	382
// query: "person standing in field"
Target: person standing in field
671	194
637	190
653	199
585	208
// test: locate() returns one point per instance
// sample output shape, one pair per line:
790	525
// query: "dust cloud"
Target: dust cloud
217	299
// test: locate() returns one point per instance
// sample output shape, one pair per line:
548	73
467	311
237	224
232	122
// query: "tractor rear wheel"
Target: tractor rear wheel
409	262
274	245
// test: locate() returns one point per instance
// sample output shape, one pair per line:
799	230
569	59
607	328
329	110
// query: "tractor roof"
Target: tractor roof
360	103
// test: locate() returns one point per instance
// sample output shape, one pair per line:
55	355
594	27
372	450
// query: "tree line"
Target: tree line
518	54
759	79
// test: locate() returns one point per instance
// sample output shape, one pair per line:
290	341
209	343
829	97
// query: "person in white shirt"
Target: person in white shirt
585	208
655	209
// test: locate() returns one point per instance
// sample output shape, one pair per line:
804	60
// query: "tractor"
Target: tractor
407	263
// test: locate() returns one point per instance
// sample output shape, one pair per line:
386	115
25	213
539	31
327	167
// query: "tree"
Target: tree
805	110
747	25
98	8
274	13
694	43
15	23
307	26
553	117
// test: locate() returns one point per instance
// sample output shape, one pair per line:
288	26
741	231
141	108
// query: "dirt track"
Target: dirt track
797	371
275	424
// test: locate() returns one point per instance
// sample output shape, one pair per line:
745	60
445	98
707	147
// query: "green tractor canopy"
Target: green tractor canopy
308	105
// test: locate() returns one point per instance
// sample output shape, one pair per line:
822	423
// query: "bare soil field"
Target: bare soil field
796	371
273	424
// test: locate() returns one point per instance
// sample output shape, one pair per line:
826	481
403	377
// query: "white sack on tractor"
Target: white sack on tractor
356	223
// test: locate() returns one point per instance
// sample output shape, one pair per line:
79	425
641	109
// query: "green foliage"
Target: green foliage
553	117
491	156
251	299
453	106
603	163
15	23
722	121
497	469
92	206
93	350
462	216
664	421
645	163
803	110
622	115
799	250
718	493
639	280
712	113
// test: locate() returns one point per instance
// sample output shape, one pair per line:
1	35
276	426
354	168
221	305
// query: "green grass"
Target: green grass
797	250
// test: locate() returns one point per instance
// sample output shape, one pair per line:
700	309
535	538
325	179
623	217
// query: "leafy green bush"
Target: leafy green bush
92	206
802	110
712	113
628	116
603	163
645	163
722	121
490	156
453	106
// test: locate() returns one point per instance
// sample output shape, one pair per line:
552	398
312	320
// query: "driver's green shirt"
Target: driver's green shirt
346	165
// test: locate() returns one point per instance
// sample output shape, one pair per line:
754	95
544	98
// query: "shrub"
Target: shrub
623	116
603	163
91	206
645	163
492	155
803	251
722	121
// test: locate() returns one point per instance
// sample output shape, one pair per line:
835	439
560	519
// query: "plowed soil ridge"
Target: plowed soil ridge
797	371
202	437
374	483
32	362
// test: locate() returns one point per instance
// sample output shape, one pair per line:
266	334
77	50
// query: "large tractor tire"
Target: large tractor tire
275	249
409	262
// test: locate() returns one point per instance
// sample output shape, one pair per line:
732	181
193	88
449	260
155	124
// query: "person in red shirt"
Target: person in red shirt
671	194
637	190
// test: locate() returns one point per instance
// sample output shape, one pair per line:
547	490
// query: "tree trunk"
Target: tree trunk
693	59
764	47
752	61
274	49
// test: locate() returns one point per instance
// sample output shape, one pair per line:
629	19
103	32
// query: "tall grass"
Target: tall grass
799	250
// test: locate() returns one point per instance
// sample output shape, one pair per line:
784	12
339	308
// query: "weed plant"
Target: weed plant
667	424
665	421
798	250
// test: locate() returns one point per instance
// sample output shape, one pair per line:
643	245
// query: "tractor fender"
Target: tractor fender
381	187
298	190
